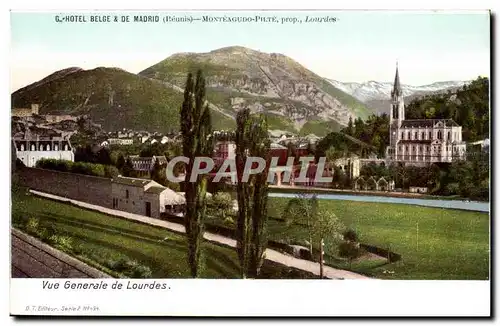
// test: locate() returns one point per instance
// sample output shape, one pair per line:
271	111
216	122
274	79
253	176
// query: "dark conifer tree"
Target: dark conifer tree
251	140
196	130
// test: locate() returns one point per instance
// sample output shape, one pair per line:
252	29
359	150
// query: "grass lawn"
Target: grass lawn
101	238
451	244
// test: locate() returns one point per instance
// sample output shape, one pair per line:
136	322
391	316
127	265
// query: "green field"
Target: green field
451	244
102	240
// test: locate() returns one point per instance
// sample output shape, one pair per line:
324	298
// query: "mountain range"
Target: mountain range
376	95
293	98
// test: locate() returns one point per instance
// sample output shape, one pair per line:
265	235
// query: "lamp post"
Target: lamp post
321	261
417	236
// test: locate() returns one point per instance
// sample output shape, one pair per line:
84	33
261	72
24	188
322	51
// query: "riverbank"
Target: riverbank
395	194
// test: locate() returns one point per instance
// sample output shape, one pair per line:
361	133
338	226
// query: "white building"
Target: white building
144	165
145	197
224	150
165	140
31	151
120	141
350	165
421	141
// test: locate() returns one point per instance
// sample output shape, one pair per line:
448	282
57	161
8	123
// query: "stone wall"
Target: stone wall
89	189
31	257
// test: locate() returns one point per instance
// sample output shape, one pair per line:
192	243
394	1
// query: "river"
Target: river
456	204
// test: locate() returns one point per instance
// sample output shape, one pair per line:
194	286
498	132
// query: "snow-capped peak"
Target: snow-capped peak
374	90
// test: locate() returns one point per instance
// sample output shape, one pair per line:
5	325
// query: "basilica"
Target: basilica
421	141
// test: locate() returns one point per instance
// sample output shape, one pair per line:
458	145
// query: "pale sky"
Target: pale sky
360	46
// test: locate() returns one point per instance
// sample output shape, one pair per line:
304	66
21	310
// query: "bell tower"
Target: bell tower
397	113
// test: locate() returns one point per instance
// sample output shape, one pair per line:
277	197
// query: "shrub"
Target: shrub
63	243
350	250
130	268
140	271
350	235
42	234
98	170
110	171
32	225
19	164
221	205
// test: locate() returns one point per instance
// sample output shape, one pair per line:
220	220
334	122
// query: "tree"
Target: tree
327	229
350	127
103	157
196	130
332	154
128	168
222	204
327	226
343	180
158	173
310	149
302	208
120	162
349	248
251	140
292	151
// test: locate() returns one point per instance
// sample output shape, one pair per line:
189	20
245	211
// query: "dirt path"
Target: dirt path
271	255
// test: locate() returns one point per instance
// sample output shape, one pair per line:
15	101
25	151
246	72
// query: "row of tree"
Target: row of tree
197	140
465	178
98	170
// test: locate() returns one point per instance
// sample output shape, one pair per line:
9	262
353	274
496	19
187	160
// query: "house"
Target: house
371	184
224	150
145	197
56	118
418	190
360	184
120	141
165	140
144	165
350	165
31	150
421	141
384	185
484	144
25	112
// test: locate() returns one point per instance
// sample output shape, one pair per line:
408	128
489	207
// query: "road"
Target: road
32	258
270	254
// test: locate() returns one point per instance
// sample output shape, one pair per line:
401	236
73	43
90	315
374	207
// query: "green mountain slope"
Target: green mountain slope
112	97
239	77
293	98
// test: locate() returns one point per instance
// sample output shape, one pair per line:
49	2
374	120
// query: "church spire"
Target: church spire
397	85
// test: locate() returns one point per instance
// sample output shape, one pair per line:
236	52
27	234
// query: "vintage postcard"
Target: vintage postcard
270	153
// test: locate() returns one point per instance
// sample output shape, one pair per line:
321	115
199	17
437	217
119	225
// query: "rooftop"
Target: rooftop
155	190
135	182
422	123
422	141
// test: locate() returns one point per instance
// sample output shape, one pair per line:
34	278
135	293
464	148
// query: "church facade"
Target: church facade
421	141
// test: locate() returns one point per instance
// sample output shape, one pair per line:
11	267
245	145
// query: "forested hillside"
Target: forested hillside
468	106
